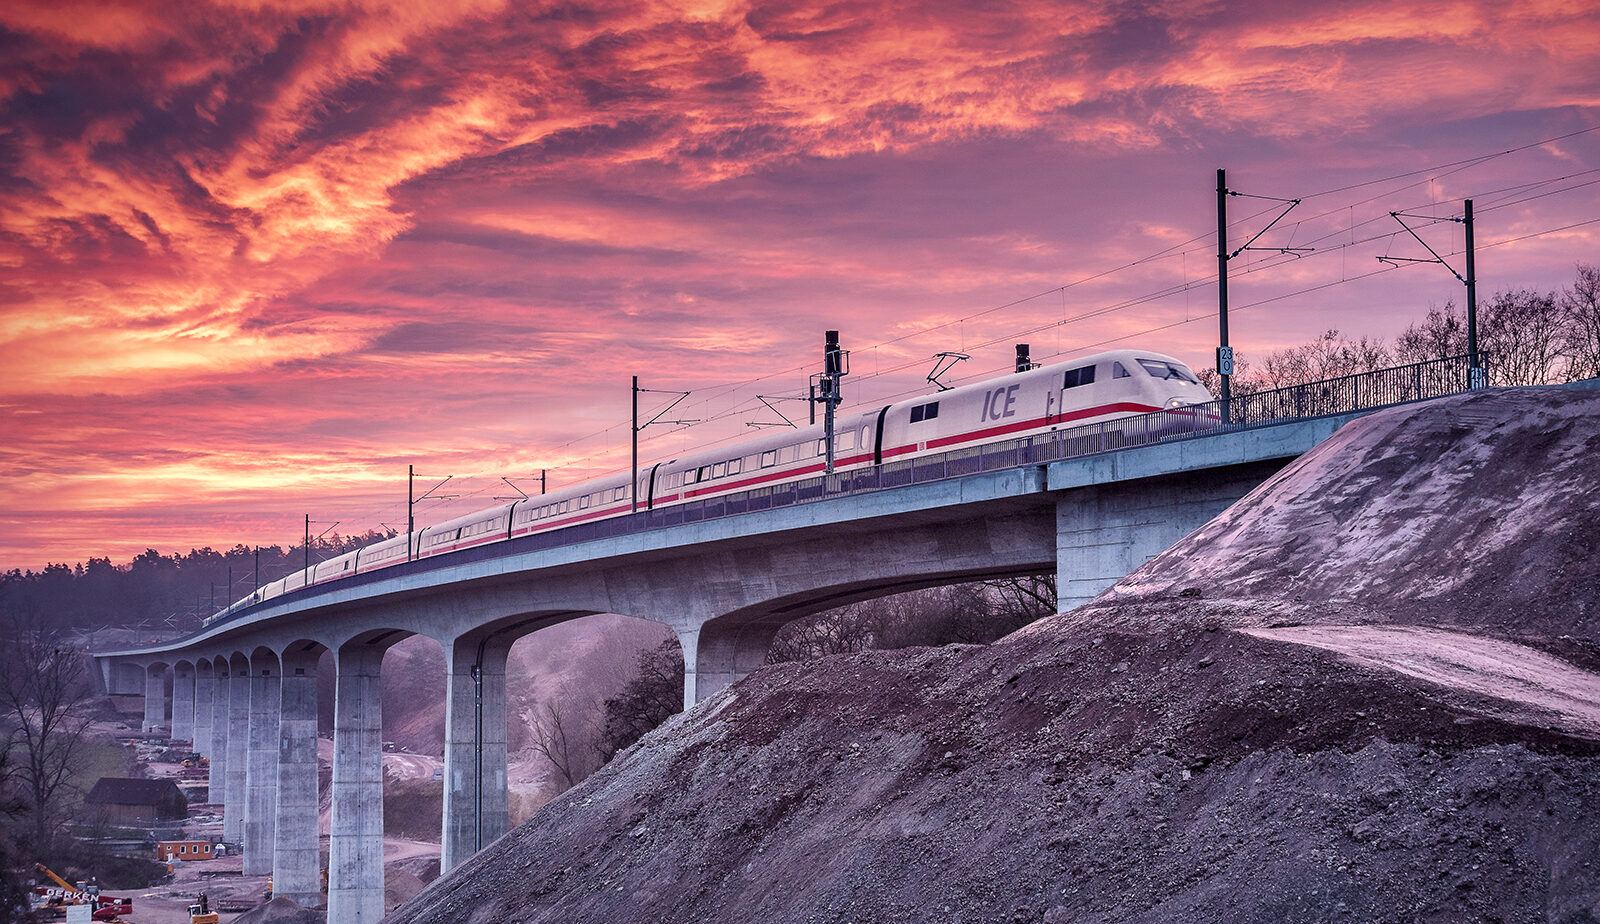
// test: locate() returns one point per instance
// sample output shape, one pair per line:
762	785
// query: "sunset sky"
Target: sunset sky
259	257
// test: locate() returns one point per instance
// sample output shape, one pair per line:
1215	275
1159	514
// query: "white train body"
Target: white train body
1106	386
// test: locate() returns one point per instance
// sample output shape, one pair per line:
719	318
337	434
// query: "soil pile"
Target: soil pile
281	911
1366	693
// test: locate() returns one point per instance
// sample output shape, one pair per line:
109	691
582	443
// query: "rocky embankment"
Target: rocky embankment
1368	692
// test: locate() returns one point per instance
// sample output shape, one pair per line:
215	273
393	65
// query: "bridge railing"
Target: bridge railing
1358	392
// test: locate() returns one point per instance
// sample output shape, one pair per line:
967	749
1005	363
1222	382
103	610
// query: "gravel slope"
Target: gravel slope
1365	693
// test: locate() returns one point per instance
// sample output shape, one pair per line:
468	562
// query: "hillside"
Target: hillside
1368	692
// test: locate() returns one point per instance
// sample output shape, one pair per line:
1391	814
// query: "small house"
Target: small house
199	849
121	800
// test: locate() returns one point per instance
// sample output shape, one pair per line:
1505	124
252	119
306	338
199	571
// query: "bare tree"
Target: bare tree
566	742
1441	334
1522	331
1580	310
1330	356
975	613
44	700
1031	598
653	695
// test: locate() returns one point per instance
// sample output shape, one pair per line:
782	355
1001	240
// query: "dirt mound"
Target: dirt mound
282	911
1208	743
399	886
1474	511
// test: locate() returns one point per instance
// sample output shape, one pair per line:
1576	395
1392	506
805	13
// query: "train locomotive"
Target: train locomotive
1093	389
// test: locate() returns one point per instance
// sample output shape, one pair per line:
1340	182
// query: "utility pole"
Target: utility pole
1475	376
1224	351
1225	365
633	489
826	387
308	548
1475	373
258	568
411	503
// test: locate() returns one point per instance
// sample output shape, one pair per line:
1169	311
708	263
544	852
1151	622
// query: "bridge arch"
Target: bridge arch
204	697
729	646
236	765
261	750
296	861
476	789
355	845
183	700
155	696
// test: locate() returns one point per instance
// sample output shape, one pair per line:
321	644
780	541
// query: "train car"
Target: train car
1100	389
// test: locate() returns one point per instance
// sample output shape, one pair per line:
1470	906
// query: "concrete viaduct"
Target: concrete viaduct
245	692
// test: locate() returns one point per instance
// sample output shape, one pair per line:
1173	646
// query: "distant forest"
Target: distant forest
156	590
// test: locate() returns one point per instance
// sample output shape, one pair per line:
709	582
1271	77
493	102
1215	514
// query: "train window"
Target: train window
788	453
583	502
925	412
719	470
769	458
691	476
866	438
1119	371
735	466
1162	369
1084	375
822	447
844	441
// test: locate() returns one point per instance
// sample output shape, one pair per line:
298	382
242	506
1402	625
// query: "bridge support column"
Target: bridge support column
261	767
183	702
236	808
475	799
355	863
295	853
689	641
715	658
217	782
205	688
1105	532
155	699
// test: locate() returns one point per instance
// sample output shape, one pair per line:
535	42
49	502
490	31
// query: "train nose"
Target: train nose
1175	403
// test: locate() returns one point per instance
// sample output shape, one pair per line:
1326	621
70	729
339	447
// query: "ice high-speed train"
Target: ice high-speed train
1115	384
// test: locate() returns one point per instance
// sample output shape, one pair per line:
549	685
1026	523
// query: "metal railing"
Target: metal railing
1363	391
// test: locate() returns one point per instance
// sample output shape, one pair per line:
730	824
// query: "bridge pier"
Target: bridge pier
183	701
1104	532
217	780
155	698
722	655
236	807
355	863
204	689
475	788
261	767
689	642
295	854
